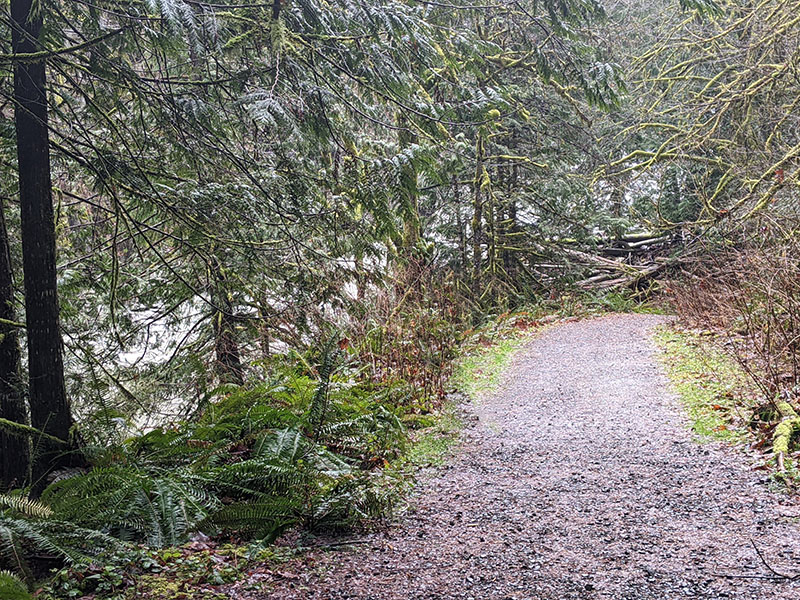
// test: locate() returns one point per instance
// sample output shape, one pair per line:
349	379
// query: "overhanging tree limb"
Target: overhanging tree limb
30	57
21	429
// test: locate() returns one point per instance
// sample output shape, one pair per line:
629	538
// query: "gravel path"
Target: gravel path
579	479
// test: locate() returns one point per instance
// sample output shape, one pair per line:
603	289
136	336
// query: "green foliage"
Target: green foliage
679	200
234	182
617	302
192	569
12	588
155	506
257	462
785	436
702	6
23	533
25	506
434	439
319	403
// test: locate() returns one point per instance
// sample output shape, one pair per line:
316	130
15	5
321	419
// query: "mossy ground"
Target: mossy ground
710	384
489	353
479	373
431	445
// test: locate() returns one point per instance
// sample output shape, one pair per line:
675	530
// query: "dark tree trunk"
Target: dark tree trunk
229	363
409	201
48	399
408	268
462	228
510	228
14	449
263	331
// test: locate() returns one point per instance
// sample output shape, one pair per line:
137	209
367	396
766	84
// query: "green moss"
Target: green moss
708	382
162	587
432	445
487	353
782	439
172	573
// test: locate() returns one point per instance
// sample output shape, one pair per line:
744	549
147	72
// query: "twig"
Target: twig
760	577
339	544
769	568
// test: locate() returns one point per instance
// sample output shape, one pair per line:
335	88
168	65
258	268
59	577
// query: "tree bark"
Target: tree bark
408	267
477	218
14	449
226	348
48	399
461	226
409	200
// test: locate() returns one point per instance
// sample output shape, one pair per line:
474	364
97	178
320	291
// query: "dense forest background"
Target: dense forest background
240	243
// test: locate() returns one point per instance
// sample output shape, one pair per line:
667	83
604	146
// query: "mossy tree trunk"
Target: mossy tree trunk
477	217
226	347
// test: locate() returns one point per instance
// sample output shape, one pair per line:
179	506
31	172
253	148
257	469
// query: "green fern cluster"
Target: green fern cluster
28	526
299	450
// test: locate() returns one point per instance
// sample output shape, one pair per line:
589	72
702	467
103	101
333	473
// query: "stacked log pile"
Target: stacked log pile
629	261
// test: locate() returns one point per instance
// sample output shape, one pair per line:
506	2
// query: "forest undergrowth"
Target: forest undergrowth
738	301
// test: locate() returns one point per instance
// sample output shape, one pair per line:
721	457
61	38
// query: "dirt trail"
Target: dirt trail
579	479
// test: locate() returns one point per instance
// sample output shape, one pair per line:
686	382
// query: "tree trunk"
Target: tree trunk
14	450
409	201
510	226
229	363
477	218
48	399
461	226
409	266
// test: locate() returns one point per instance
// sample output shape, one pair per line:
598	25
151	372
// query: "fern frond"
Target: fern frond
285	445
264	519
11	550
26	507
59	539
319	403
159	506
12	587
258	477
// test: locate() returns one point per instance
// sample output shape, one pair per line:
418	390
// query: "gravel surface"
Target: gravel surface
577	479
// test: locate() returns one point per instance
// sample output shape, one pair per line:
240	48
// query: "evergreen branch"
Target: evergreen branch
29	57
9	323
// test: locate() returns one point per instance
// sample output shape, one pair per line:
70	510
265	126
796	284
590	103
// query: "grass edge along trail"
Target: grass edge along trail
708	383
480	370
720	401
484	357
